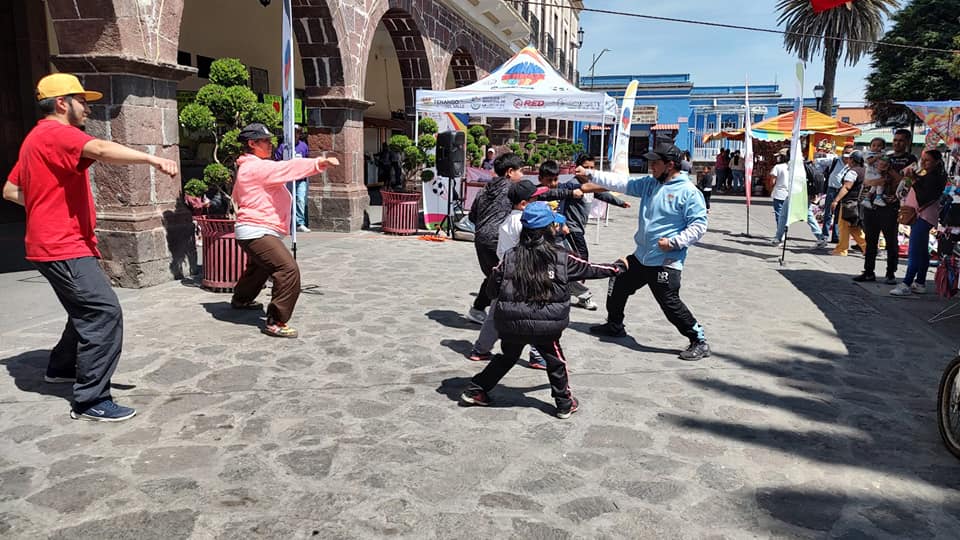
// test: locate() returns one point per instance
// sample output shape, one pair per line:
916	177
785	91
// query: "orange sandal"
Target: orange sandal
279	329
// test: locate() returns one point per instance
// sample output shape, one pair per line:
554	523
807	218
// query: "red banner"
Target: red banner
823	5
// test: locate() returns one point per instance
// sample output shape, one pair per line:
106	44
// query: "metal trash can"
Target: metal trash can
223	260
401	212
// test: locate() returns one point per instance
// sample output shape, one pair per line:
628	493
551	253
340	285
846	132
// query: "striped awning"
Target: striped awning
665	127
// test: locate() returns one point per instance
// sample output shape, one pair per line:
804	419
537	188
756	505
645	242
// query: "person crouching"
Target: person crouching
263	219
533	305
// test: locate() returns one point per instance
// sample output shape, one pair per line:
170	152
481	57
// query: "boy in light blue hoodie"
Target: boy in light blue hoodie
673	216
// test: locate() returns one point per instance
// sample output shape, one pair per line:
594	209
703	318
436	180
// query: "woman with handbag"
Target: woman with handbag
919	210
848	201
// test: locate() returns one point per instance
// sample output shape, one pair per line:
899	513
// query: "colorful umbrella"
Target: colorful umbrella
780	128
942	117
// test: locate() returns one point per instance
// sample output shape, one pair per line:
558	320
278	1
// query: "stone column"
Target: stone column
338	199
145	231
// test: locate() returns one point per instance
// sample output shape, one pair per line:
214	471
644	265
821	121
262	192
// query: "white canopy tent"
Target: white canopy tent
526	86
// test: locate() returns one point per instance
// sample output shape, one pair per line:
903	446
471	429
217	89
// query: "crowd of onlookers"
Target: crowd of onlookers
874	195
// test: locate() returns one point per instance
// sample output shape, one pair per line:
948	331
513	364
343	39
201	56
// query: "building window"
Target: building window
203	66
845	119
184	58
259	80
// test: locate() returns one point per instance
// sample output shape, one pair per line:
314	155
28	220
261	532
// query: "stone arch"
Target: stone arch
413	48
318	37
463	67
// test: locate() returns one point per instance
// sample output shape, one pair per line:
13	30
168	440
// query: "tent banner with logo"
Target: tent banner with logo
526	86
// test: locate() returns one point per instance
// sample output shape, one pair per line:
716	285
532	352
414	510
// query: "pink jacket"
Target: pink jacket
260	191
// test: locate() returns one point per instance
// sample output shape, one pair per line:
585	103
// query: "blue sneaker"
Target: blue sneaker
105	411
536	360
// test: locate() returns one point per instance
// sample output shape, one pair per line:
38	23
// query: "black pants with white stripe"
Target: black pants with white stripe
512	346
664	283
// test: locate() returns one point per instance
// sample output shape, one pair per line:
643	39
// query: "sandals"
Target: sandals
279	329
251	305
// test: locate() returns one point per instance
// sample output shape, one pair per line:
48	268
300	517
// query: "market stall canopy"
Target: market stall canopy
526	86
780	128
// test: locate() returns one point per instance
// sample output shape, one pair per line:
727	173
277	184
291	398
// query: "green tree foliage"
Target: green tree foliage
416	157
900	74
219	110
841	31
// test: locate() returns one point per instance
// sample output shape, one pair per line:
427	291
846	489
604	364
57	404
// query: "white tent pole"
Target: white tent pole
603	120
416	127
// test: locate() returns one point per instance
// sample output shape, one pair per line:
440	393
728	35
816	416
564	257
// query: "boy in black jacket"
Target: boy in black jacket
487	213
533	306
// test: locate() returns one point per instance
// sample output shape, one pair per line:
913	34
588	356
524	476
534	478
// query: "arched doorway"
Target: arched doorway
462	69
396	67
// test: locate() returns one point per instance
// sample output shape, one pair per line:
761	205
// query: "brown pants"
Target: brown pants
268	257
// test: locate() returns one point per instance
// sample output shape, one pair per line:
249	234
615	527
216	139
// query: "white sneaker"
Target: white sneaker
822	243
302	228
476	315
879	202
918	288
866	203
902	290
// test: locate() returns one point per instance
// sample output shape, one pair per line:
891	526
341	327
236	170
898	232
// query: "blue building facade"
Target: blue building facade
671	106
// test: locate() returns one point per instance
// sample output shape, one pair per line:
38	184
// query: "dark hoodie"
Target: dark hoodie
489	209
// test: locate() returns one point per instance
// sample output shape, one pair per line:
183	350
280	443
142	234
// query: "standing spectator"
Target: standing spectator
672	217
51	181
847	206
707	180
925	188
721	165
533	306
263	219
300	150
834	168
881	220
780	174
737	171
487	164
490	207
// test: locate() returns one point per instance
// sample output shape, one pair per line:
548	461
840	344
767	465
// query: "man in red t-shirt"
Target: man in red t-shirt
51	181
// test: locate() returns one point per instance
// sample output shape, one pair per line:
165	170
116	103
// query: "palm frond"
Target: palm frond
808	33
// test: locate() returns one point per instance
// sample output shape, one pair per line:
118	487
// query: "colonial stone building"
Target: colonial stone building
360	63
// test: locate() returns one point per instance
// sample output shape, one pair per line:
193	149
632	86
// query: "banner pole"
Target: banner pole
289	137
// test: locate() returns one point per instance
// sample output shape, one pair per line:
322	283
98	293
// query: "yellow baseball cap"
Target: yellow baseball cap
64	84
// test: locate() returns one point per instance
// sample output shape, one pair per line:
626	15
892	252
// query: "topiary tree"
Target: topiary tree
218	112
417	157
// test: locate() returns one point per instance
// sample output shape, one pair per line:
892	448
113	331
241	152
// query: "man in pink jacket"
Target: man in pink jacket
263	219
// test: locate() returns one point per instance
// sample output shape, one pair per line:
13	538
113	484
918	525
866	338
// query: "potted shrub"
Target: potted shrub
218	112
401	208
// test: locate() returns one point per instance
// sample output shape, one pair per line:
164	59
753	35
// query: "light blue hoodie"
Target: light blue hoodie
674	210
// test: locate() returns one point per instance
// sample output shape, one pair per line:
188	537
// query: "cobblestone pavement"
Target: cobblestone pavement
814	417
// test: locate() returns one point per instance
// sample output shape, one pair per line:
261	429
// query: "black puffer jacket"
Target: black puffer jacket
489	210
517	317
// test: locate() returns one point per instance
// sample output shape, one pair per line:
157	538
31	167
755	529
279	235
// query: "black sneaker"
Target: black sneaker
474	395
865	277
567	412
57	378
696	351
609	329
890	280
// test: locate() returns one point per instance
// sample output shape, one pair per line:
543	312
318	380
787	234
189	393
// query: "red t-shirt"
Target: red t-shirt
52	174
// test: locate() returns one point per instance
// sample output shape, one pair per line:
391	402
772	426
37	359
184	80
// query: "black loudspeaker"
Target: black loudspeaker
451	154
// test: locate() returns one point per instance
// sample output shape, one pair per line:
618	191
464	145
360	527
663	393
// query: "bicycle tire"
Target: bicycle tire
948	407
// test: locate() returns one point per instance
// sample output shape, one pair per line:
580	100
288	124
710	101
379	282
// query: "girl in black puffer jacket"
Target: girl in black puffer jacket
533	305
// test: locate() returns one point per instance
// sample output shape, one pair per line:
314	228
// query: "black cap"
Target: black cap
254	131
857	157
524	190
665	152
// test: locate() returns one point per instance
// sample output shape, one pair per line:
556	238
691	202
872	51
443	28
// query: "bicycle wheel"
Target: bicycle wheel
948	407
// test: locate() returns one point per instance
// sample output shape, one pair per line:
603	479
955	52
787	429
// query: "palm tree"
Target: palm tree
843	29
